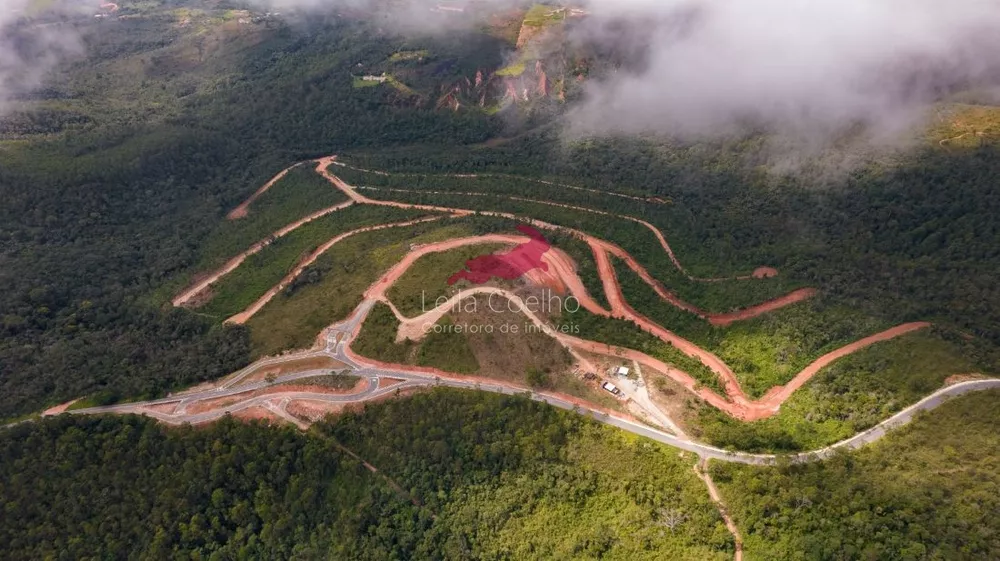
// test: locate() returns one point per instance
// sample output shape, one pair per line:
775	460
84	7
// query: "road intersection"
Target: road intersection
335	345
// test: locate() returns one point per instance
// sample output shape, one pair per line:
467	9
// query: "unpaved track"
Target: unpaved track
248	313
231	265
779	394
759	273
737	405
244	207
720	319
502	175
701	470
736	402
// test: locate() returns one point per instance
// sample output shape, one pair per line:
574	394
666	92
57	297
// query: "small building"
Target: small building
622	371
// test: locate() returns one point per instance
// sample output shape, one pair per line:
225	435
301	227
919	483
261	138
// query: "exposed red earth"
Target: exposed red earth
735	403
61	408
535	260
509	266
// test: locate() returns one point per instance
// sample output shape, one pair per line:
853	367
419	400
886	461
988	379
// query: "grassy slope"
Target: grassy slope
426	281
332	381
849	396
929	491
298	194
765	351
634	238
261	271
447	350
332	287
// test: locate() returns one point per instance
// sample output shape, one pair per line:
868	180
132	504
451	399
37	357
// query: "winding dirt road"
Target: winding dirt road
244	208
598	245
561	271
736	403
202	284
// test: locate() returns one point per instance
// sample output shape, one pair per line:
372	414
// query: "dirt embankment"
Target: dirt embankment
59	408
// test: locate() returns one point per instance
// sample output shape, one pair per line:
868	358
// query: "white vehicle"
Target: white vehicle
608	386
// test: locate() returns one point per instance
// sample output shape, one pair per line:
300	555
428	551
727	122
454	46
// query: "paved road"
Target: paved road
411	380
338	335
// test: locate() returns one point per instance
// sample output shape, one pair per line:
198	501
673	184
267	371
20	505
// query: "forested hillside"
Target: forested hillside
462	475
913	240
118	173
928	492
99	215
466	475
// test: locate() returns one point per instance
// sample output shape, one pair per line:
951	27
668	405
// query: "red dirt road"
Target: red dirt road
231	265
248	313
737	405
244	208
561	270
721	319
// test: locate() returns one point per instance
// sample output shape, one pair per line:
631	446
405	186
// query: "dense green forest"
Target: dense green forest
467	475
101	214
927	492
462	475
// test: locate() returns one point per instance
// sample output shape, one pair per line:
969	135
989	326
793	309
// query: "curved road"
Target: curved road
338	336
424	380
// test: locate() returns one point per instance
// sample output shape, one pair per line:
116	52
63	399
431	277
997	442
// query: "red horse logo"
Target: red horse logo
508	266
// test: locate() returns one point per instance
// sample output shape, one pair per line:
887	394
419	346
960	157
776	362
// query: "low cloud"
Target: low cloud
811	69
31	46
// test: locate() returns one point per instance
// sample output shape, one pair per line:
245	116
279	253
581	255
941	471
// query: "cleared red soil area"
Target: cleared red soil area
511	265
735	403
58	408
258	413
312	410
388	382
